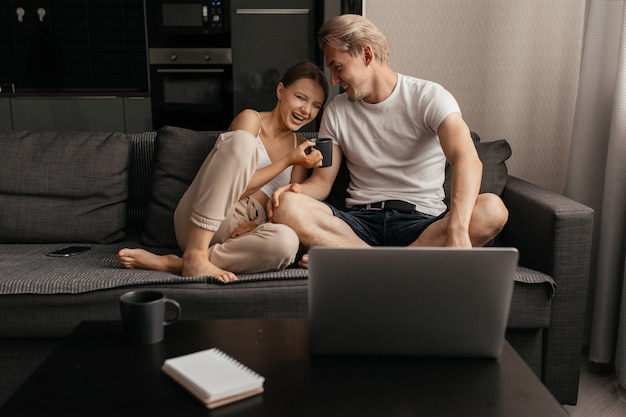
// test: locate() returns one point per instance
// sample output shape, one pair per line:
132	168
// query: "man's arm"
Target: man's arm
456	141
318	185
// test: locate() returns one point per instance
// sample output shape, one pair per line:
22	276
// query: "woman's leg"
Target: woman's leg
220	181
269	247
199	240
195	260
142	259
217	187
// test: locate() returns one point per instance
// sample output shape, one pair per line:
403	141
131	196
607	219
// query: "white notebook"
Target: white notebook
214	377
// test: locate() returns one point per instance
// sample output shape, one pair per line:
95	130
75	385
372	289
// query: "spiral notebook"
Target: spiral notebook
213	377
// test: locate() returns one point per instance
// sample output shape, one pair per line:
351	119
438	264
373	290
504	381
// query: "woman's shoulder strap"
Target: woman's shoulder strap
261	122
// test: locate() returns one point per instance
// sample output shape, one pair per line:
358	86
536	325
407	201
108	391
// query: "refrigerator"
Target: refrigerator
269	36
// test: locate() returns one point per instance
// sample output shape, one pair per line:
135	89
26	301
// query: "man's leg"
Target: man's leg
314	222
488	218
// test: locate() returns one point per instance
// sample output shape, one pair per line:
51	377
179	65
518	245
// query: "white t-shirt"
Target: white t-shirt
391	148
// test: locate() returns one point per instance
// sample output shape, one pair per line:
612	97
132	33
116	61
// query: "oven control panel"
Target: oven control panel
213	14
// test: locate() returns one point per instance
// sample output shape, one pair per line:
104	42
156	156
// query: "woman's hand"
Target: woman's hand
275	199
244	228
305	155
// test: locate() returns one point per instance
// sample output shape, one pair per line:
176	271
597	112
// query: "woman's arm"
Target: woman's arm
249	120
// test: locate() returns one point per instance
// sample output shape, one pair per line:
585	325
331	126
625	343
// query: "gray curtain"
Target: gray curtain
597	173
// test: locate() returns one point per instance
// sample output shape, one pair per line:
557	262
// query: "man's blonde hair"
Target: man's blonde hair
350	33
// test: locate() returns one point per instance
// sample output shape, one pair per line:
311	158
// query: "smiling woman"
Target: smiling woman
221	222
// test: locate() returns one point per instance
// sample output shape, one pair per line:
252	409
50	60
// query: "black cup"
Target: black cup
143	316
325	146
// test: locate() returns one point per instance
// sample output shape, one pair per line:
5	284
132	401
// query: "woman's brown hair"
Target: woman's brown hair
306	69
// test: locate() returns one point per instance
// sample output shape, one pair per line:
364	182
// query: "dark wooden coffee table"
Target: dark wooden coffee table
95	373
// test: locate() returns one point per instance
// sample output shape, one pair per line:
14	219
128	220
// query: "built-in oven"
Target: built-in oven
191	87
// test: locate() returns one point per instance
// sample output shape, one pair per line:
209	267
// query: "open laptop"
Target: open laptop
441	302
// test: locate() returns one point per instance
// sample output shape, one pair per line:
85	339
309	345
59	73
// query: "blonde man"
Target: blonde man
396	133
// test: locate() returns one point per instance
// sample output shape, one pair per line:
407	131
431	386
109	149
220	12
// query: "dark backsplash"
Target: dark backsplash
79	45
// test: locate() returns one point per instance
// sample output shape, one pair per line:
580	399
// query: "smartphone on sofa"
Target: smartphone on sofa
69	251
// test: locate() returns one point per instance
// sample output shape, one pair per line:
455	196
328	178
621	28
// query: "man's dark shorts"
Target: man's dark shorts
386	228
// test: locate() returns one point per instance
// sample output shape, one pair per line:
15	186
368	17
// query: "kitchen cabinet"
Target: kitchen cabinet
69	45
98	113
5	114
108	113
89	113
137	114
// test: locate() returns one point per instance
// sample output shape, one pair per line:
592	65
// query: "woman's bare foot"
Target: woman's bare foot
142	259
195	265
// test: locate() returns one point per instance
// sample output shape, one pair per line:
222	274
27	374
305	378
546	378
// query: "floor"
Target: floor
598	395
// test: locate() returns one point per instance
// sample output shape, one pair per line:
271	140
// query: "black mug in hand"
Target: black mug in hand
325	146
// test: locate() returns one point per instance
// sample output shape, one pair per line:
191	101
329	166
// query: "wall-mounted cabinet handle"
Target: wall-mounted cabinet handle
20	12
41	12
7	88
272	11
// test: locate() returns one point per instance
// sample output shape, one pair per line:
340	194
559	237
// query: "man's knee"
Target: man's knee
289	205
498	210
493	212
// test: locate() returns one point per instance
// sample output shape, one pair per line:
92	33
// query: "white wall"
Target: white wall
513	65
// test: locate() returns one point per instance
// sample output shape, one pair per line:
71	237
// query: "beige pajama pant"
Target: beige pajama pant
212	202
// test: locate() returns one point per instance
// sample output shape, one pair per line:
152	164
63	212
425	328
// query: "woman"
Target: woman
220	222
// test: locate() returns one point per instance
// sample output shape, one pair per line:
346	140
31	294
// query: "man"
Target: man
396	133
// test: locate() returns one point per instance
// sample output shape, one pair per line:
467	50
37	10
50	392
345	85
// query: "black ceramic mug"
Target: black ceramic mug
143	315
325	146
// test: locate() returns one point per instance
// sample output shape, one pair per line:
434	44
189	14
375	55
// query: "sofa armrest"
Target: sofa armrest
551	231
553	234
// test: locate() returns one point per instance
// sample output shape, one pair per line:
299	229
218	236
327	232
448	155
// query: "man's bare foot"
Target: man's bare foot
304	261
199	265
142	259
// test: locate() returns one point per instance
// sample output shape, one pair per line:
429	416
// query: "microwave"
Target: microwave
191	17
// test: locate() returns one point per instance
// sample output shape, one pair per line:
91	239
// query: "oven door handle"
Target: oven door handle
189	70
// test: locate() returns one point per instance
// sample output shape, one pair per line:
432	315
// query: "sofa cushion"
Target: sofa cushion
96	269
178	154
63	187
493	155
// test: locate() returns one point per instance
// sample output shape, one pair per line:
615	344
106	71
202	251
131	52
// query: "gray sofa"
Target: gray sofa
111	190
